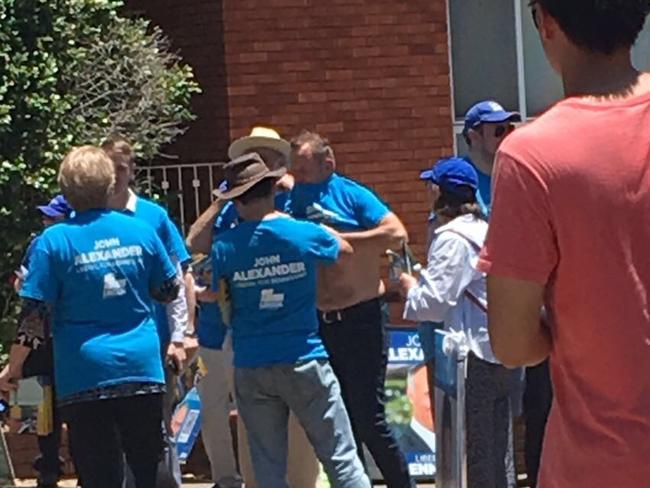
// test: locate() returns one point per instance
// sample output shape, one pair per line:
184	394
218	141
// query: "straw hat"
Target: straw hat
259	137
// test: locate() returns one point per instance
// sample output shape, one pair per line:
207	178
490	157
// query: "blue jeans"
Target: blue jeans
310	390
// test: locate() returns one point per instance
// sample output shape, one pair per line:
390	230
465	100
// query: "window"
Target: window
496	54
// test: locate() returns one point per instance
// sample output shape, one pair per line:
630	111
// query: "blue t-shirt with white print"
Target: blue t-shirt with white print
158	218
97	270
337	202
212	330
270	267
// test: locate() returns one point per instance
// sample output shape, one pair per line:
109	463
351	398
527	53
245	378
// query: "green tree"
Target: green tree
71	72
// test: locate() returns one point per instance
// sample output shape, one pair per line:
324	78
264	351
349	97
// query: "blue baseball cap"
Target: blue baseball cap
58	207
488	111
452	175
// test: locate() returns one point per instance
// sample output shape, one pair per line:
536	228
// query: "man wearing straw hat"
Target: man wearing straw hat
219	217
269	263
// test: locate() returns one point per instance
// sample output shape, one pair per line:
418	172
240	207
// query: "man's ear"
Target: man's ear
473	137
329	164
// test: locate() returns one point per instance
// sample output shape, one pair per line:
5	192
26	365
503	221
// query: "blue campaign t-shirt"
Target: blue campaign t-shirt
97	270
337	202
484	192
270	267
158	218
212	330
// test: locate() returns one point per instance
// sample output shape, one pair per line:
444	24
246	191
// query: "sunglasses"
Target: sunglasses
499	131
533	12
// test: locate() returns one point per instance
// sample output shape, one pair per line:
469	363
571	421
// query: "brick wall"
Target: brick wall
371	75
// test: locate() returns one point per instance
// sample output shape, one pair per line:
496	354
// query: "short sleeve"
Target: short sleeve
42	282
323	246
521	241
175	245
218	271
162	268
370	210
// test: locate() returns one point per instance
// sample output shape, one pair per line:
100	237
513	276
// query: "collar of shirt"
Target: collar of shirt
131	202
425	434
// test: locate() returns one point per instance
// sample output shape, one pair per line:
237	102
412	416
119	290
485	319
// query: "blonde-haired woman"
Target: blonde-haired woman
99	271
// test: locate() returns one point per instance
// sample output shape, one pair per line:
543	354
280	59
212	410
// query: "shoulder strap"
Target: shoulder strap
470	296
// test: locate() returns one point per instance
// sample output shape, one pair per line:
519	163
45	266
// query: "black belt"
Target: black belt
331	316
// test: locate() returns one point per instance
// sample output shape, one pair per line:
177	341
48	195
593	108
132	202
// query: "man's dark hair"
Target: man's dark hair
262	189
601	26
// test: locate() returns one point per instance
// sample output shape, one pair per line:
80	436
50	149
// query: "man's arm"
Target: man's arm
388	234
517	334
199	239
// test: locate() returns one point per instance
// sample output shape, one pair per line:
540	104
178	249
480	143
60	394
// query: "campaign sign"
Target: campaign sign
186	424
408	404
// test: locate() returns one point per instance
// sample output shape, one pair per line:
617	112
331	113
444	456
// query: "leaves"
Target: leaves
71	72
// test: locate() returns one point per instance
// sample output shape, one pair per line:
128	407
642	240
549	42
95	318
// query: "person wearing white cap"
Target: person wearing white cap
303	467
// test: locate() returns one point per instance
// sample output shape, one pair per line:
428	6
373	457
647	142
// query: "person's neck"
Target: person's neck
599	75
258	211
484	162
119	200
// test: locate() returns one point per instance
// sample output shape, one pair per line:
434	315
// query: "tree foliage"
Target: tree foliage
71	72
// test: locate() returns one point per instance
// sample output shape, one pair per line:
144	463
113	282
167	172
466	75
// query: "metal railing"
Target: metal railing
185	189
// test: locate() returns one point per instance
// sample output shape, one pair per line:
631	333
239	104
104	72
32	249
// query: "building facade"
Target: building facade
386	81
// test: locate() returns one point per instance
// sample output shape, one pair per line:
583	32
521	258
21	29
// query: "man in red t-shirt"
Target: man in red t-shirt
570	228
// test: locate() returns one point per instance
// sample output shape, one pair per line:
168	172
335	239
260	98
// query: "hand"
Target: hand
7	383
176	353
191	345
285	183
406	282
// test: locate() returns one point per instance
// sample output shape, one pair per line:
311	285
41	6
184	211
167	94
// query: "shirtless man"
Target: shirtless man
352	310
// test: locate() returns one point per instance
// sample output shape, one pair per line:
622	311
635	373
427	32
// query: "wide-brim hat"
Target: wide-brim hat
259	137
243	173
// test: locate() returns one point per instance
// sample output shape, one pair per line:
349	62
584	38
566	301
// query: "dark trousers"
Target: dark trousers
488	412
538	398
48	463
105	431
355	339
40	363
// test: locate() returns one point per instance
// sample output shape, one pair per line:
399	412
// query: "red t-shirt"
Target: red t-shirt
571	211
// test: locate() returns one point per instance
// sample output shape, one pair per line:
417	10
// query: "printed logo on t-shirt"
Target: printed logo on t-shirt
269	300
316	212
269	270
113	287
107	253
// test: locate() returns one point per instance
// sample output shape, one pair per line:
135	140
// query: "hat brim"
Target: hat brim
244	145
49	211
498	117
426	175
241	189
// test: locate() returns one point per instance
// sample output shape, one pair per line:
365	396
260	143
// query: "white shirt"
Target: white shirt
440	295
427	436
